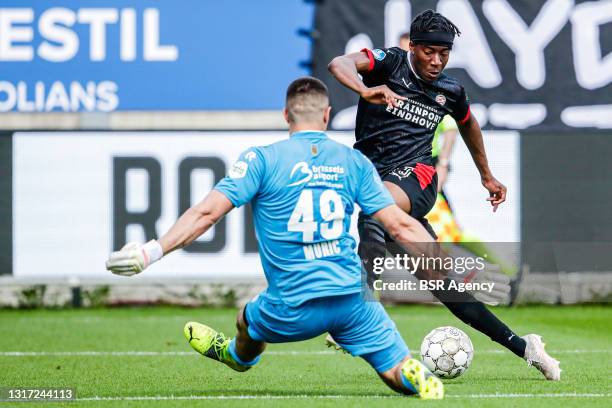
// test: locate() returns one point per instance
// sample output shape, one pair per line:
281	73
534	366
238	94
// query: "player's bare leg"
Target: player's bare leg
399	196
246	348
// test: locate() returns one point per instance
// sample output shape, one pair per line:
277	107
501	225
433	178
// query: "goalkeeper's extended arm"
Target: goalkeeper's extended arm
196	221
412	237
134	258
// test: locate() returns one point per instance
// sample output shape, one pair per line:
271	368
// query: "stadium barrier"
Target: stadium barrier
68	198
134	120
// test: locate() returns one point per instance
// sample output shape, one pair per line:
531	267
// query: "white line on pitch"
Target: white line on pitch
270	353
274	397
143	353
544	395
225	397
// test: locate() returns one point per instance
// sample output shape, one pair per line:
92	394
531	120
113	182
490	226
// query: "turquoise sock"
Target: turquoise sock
234	354
407	384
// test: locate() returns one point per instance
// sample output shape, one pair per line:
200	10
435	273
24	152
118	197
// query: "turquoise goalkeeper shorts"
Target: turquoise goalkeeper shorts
363	328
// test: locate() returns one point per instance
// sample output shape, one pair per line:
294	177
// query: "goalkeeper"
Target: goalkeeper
303	192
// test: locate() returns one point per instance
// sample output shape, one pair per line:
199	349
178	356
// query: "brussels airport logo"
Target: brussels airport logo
63	35
322	175
305	173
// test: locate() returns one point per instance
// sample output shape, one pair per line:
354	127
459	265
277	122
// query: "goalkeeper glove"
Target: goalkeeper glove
134	258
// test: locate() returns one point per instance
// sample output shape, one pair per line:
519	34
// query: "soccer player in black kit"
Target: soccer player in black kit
403	97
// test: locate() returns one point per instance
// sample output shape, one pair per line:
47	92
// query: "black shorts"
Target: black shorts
420	182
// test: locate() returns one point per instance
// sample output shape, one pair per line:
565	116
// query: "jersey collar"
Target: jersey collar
309	133
408	54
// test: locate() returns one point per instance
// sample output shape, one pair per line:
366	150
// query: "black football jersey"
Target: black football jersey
403	135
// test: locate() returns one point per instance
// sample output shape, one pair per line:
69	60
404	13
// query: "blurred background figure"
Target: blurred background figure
404	41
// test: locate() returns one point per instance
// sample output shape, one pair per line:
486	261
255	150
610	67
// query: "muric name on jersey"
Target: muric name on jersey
322	249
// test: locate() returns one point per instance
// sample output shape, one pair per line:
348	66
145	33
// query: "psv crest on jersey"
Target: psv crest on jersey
441	99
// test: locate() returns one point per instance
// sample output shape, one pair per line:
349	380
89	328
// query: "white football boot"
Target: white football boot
536	356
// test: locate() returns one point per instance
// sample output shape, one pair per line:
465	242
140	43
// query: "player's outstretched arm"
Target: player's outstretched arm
346	69
472	136
196	221
133	258
402	227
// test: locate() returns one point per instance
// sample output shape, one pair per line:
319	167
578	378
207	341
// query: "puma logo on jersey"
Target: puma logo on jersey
250	156
408	85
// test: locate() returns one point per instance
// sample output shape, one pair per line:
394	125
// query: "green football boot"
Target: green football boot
211	344
331	343
422	381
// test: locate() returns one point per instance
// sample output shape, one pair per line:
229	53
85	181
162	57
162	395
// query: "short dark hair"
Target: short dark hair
306	85
306	99
429	21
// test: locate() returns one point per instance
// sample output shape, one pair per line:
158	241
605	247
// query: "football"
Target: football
447	352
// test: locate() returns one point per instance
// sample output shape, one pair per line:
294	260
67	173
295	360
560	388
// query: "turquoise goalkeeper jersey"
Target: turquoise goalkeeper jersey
303	192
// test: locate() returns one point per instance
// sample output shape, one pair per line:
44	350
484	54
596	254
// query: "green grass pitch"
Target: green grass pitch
74	348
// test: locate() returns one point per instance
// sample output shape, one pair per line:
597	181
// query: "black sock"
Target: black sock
475	314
